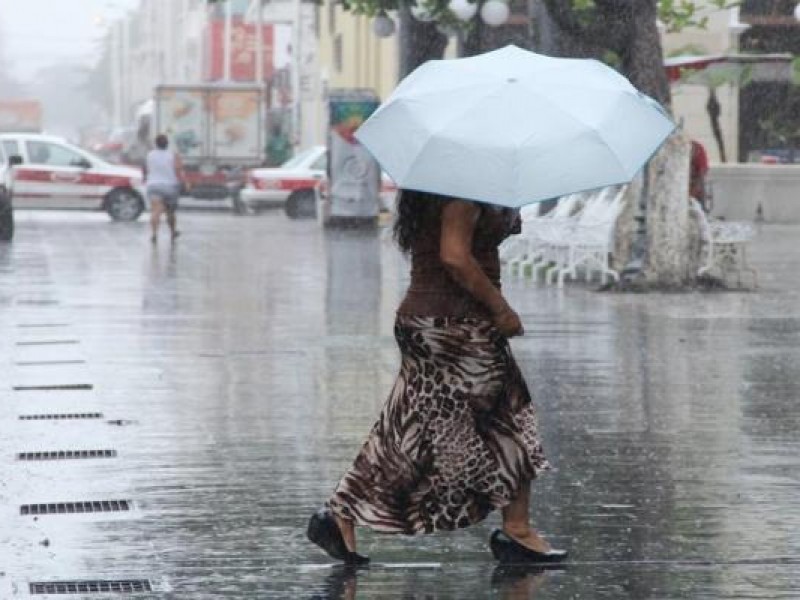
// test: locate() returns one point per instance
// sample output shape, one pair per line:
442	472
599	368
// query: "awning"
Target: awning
766	67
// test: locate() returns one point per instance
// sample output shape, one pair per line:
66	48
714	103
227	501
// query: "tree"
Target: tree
655	239
656	242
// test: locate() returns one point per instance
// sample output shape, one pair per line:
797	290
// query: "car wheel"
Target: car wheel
302	204
124	204
6	221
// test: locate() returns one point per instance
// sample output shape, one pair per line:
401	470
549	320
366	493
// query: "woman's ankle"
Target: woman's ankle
348	531
517	529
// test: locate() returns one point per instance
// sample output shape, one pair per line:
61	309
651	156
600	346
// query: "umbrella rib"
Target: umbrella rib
439	129
577	119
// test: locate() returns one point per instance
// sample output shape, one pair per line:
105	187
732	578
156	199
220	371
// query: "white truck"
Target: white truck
219	131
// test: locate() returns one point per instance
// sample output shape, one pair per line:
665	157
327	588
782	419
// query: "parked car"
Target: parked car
293	184
6	212
53	173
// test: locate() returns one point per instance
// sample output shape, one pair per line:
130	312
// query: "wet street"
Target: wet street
184	409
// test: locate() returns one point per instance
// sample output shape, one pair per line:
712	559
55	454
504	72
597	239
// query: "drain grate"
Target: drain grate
34	363
48	343
66	454
37	302
69	508
88	587
62	416
51	387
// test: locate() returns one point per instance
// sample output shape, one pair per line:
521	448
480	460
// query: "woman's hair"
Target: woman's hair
414	210
161	141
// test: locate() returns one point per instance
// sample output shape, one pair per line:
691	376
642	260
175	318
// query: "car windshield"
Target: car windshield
299	159
94	157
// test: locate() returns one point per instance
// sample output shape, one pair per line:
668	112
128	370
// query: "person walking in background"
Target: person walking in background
698	169
457	437
279	148
164	177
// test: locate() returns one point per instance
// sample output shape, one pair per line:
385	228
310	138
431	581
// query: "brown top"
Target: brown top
433	292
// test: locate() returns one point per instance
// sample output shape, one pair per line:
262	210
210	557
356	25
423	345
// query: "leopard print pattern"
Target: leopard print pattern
456	438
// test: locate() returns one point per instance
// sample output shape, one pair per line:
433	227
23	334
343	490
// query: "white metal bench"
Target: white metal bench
726	246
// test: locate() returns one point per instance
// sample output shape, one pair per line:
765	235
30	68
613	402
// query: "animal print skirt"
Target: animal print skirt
456	438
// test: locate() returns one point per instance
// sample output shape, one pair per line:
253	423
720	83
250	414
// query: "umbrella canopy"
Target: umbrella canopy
512	127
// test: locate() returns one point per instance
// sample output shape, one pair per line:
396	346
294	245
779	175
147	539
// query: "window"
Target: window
10	147
332	16
338	50
45	153
321	164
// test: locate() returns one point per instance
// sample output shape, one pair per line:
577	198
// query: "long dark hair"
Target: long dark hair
415	211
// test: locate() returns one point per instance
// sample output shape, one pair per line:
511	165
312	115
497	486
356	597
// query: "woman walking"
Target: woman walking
163	174
457	438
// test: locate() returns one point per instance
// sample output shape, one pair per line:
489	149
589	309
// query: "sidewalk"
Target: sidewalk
236	374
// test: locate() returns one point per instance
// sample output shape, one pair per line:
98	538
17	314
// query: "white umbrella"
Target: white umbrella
512	127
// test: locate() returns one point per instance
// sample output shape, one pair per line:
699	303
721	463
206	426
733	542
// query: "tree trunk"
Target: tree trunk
713	108
419	42
642	58
669	256
671	240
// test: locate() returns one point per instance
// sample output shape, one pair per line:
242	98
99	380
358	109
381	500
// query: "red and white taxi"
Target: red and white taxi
293	183
55	174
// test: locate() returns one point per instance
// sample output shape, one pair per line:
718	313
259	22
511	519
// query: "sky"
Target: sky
39	33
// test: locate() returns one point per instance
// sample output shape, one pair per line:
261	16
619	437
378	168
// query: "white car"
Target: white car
53	173
6	214
293	184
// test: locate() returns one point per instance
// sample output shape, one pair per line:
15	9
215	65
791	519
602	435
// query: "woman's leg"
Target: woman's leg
156	208
172	222
516	521
348	530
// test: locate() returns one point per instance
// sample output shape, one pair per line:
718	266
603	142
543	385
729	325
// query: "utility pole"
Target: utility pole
259	74
297	43
226	42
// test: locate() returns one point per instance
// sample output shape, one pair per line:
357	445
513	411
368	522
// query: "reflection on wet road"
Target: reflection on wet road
237	373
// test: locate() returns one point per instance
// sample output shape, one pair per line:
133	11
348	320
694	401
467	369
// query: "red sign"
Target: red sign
243	45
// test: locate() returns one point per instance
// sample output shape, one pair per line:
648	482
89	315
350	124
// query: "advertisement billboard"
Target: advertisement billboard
242	51
182	116
354	176
235	117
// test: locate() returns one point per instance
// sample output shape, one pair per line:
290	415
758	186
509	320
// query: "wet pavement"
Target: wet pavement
233	377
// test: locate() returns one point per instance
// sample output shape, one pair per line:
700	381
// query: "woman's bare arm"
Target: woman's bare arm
455	251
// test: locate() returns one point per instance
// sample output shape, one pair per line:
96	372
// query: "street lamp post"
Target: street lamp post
492	12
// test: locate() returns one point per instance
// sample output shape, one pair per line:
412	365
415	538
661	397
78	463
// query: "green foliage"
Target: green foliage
681	14
689	50
676	15
715	76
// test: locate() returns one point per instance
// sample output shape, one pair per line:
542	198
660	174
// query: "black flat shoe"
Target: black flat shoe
325	533
508	550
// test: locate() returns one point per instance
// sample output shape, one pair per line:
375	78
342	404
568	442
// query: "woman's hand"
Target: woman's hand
508	323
